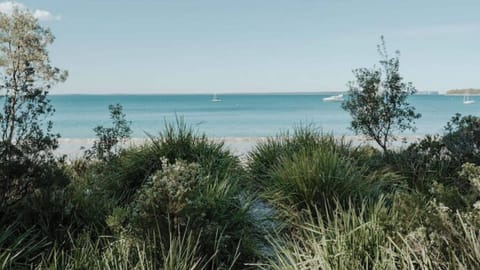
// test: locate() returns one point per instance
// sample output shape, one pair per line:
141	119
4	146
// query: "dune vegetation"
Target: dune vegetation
301	200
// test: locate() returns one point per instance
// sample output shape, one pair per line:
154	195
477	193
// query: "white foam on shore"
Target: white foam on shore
240	146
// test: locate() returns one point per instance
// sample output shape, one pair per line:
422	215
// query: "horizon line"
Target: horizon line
198	93
212	93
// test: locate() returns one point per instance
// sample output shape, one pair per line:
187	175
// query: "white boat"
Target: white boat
336	98
215	98
467	100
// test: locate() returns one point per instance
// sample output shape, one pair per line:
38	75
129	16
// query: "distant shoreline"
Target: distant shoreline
463	92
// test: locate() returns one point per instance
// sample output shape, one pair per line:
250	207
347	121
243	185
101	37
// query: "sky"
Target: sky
224	46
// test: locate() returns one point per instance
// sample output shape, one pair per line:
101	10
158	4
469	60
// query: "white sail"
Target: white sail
215	98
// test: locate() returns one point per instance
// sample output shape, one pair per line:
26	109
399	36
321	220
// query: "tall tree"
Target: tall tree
377	100
26	76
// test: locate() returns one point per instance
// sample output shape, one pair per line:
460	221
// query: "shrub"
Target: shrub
120	177
433	163
107	144
162	197
46	208
177	196
462	139
447	240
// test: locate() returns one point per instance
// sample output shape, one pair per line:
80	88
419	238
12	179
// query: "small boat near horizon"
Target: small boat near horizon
336	98
467	100
215	98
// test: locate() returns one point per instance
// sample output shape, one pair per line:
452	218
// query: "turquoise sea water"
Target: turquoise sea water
237	115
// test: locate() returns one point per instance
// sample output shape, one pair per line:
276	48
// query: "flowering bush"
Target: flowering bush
165	194
180	196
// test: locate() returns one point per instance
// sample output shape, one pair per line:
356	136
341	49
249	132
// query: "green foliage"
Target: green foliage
314	178
462	139
163	196
178	141
377	101
310	169
346	208
106	146
26	138
432	165
140	188
177	196
124	252
472	173
46	208
120	177
347	239
266	155
19	249
377	237
446	240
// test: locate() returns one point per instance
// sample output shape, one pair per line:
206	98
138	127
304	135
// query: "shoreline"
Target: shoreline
239	146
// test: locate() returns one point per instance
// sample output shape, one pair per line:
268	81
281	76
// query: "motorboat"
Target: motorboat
467	100
336	98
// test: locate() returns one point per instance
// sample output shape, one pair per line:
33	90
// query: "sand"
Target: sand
240	146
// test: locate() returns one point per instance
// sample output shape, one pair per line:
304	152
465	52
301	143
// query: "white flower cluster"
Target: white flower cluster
170	187
472	173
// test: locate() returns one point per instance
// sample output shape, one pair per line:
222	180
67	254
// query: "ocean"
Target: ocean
236	115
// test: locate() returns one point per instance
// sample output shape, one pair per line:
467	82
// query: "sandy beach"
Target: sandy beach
73	147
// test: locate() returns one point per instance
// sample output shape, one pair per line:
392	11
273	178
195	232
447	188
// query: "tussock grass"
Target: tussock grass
20	249
346	239
310	169
180	251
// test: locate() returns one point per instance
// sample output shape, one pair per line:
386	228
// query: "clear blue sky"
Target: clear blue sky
180	46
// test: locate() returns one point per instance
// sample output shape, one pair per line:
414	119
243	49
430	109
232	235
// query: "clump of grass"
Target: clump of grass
311	178
267	155
378	236
20	249
179	141
178	251
310	169
346	239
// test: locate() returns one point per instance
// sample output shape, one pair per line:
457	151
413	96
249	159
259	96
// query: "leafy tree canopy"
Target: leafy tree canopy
26	76
377	100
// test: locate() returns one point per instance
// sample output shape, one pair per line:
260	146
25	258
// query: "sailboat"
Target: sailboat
467	100
215	98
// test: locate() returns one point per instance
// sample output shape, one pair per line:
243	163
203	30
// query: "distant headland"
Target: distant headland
426	93
468	91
